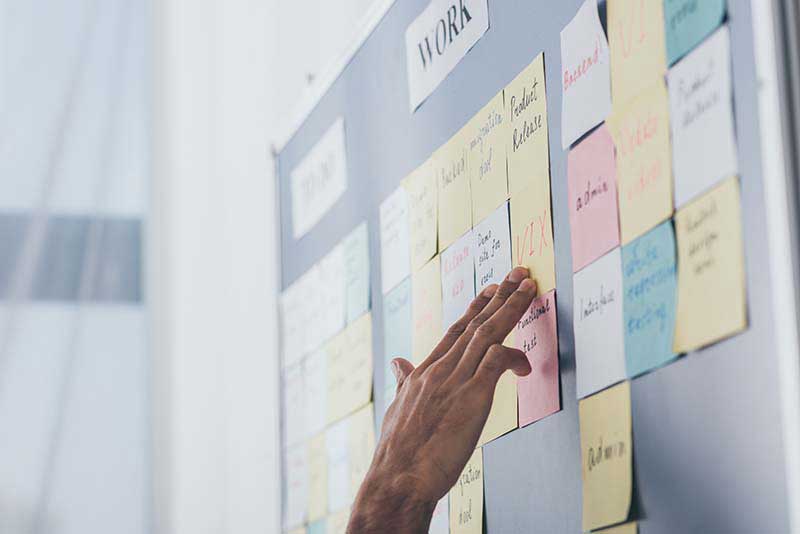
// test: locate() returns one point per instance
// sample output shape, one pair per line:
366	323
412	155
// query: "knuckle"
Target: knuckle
476	323
457	328
486	330
505	291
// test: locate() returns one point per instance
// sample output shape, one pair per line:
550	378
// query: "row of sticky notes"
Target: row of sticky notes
333	293
502	153
323	474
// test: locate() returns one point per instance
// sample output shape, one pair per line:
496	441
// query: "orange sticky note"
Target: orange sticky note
532	234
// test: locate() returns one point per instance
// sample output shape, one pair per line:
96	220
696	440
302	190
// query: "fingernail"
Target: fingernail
489	291
396	370
527	285
518	274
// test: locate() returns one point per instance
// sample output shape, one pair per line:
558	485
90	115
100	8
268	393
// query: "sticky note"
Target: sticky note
315	391
606	453
458	279
362	446
299	530
294	512
350	369
597	310
337	443
426	305
527	141
641	133
586	76
536	334
316	527
637	45
293	321
328	309
337	522
356	272
449	164
395	247
687	22
440	520
649	284
502	417
421	188
492	244
317	478
592	190
711	280
532	234
627	528
486	158
701	105
397	331
319	180
466	498
294	400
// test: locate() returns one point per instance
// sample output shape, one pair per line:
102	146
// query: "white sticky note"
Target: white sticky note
395	245
598	324
492	238
458	279
293	381
315	377
319	180
701	109
337	443
438	39
585	74
294	507
328	300
293	323
356	268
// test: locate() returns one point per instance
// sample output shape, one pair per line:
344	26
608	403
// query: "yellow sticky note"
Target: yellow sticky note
350	368
711	281
420	186
317	478
606	454
486	158
426	309
452	178
627	528
466	498
532	234
362	446
641	134
337	523
503	416
527	144
638	46
299	530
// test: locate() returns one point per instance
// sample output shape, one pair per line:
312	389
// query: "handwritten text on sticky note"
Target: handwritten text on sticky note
466	498
458	279
492	244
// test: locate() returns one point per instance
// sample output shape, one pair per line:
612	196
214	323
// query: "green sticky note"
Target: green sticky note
688	22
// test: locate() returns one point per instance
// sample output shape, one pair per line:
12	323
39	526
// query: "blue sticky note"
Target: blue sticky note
317	527
649	285
688	22
356	265
397	326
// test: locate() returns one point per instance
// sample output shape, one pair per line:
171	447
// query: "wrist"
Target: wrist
390	503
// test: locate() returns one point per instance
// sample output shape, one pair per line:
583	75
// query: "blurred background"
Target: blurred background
139	257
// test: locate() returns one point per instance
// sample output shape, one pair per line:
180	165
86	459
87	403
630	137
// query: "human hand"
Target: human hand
434	423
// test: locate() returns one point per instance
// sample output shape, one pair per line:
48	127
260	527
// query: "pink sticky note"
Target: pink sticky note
537	336
592	193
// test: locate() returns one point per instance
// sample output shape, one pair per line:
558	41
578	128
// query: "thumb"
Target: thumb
401	368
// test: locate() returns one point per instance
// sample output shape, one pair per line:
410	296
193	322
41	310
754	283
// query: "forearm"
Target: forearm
386	504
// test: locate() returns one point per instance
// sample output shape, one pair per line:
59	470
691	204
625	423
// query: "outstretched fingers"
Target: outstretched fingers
495	330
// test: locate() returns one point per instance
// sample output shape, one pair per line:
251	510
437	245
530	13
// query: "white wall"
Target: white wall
227	72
